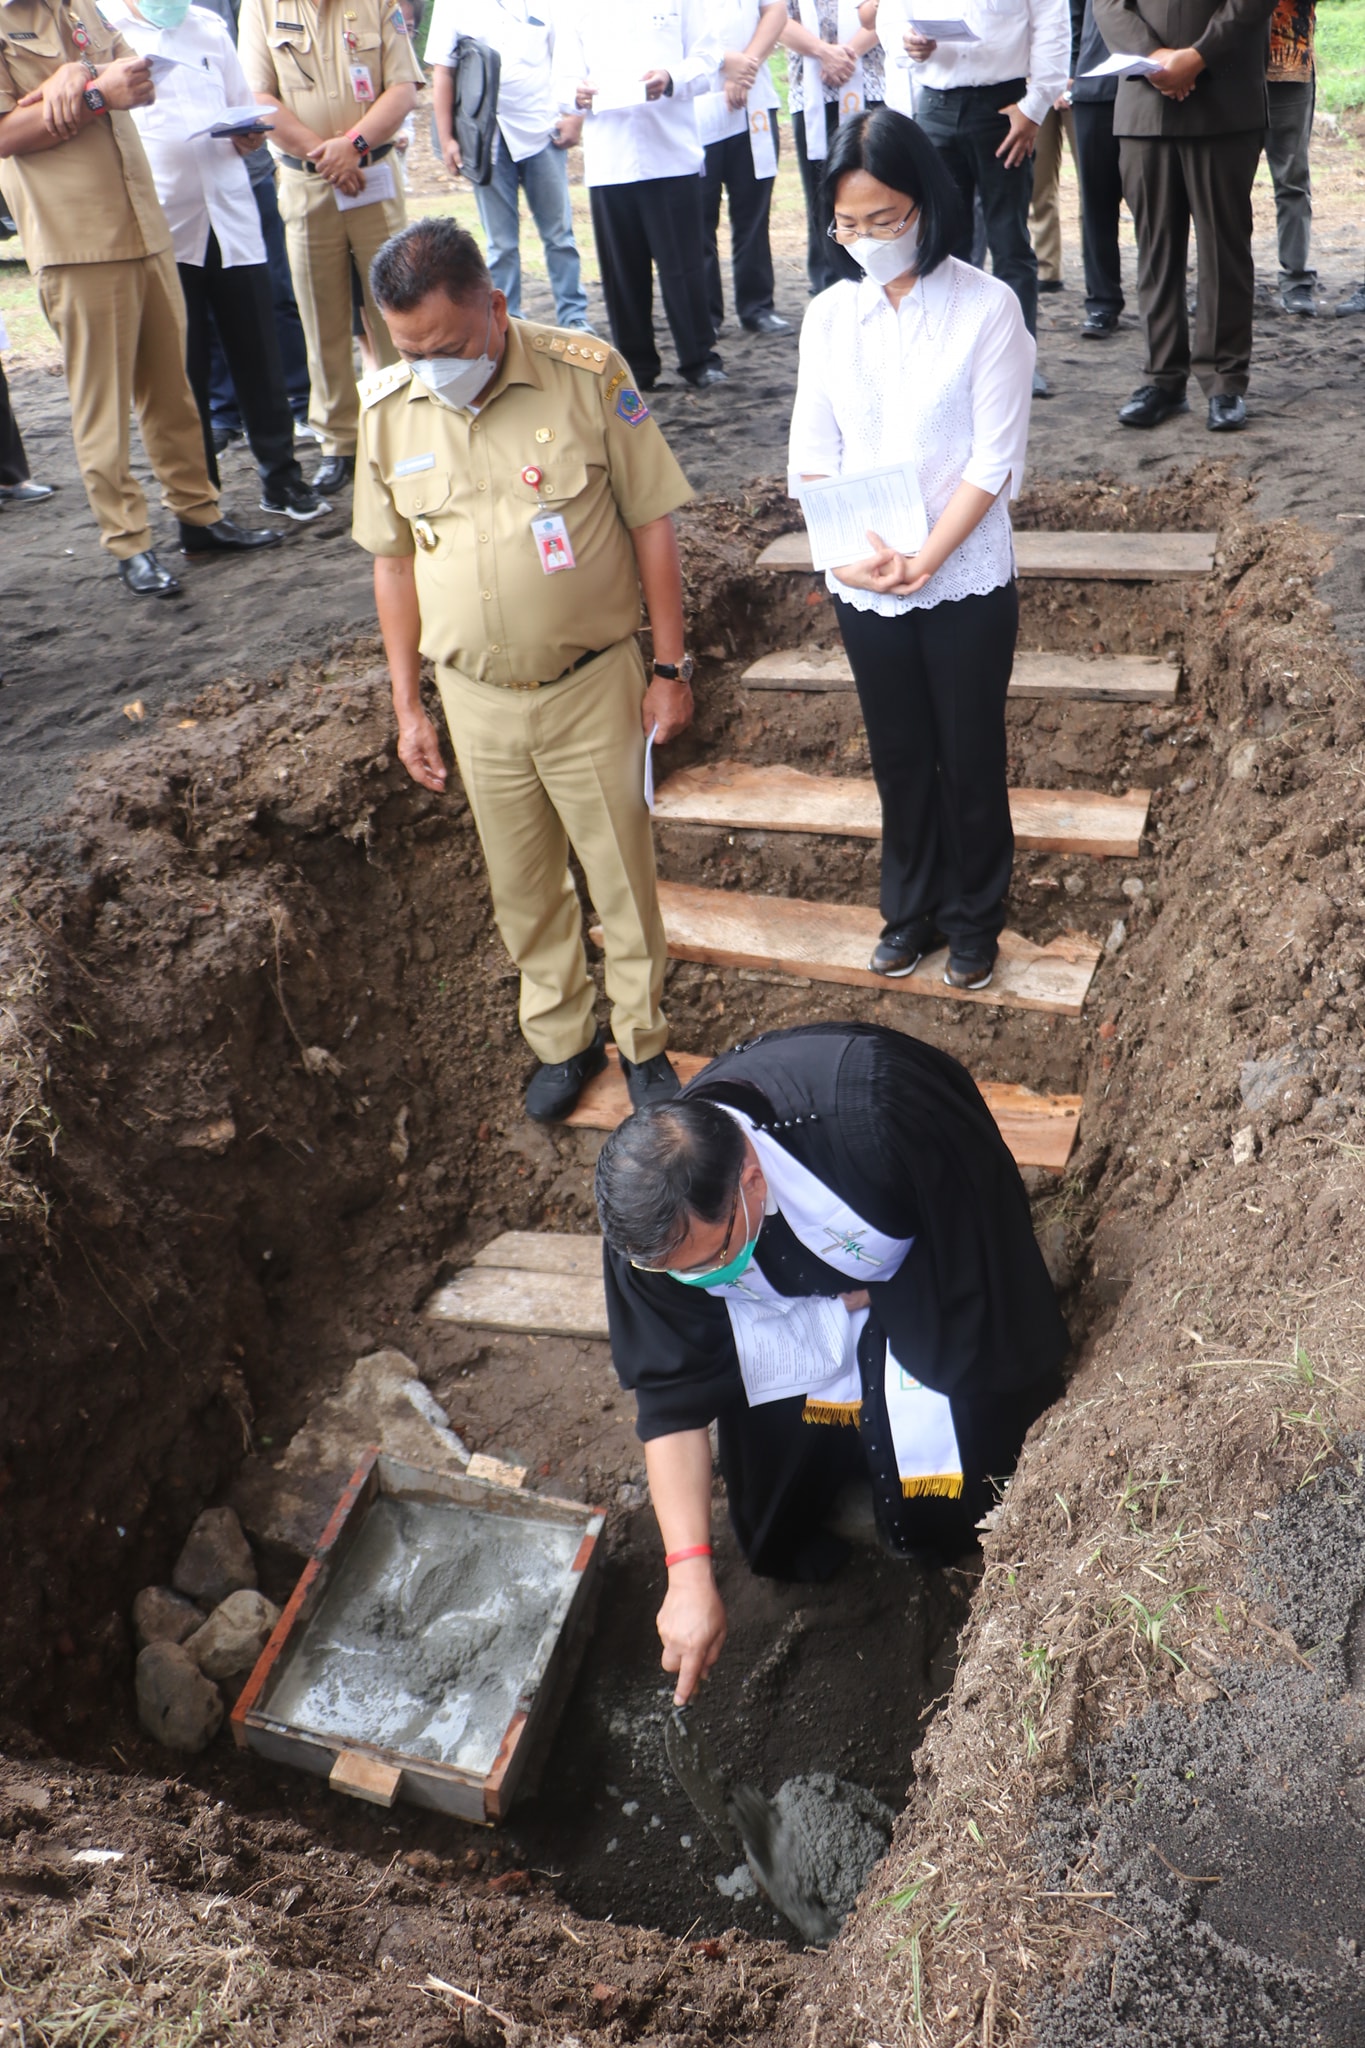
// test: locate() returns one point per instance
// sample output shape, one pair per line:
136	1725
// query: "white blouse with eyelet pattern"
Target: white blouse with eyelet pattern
944	382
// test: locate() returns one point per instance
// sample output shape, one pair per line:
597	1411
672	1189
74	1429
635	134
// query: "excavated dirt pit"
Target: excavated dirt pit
208	1222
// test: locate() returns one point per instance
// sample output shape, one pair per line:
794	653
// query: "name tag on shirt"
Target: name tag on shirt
413	464
553	544
362	85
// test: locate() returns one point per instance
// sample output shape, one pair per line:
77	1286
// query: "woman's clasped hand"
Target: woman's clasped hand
886	571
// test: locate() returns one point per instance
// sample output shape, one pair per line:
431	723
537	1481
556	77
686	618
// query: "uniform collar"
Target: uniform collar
518	366
929	296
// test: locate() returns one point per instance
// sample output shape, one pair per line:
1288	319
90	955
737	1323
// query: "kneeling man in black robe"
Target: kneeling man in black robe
822	1245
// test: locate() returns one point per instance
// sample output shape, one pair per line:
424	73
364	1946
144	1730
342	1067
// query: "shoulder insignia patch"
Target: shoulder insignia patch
630	407
568	345
397	22
381	382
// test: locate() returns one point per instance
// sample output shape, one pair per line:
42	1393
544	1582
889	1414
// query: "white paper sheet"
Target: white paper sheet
1121	66
649	767
159	65
761	145
951	30
840	510
237	120
379	184
787	1347
617	92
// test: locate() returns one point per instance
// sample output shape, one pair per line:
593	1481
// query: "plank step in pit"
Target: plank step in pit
1108	679
1107	557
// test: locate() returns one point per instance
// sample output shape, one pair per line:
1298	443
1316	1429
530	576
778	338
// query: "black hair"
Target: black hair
667	1166
896	151
429	255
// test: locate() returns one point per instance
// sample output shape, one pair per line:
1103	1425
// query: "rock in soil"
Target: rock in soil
216	1559
234	1635
161	1616
176	1704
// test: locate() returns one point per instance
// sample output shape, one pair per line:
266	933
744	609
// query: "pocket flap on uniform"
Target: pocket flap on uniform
290	35
562	476
425	492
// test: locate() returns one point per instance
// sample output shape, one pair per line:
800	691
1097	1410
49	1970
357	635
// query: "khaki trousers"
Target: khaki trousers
122	330
323	243
1045	217
545	770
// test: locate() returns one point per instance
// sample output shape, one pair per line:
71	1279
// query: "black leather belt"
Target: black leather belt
301	163
592	654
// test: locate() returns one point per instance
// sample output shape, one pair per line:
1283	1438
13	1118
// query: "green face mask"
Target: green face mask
724	1276
164	13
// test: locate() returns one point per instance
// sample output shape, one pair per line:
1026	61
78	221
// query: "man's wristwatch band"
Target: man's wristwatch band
95	100
675	671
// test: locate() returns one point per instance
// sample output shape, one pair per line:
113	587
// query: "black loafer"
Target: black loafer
964	972
1227	412
703	380
1051	284
650	1080
555	1089
767	323
145	577
1150	404
898	953
223	538
1096	326
333	474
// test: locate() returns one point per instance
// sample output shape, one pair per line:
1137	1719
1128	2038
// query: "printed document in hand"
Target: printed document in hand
841	510
235	121
617	92
1121	66
649	766
948	31
379	184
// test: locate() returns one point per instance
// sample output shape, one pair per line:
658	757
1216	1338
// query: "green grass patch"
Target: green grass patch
1340	53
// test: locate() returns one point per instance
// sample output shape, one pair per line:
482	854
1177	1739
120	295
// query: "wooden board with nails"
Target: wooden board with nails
1111	557
1108	679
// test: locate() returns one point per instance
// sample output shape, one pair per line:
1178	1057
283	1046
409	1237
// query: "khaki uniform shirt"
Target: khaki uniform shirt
90	200
449	487
302	53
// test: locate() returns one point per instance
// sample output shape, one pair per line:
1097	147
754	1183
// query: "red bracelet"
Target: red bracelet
680	1556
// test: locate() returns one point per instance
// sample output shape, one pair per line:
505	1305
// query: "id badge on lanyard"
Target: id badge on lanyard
548	529
761	145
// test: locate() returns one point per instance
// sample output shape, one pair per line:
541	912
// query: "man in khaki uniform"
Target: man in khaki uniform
517	495
75	177
341	79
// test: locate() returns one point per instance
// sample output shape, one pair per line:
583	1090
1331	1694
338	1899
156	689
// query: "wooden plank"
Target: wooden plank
1040	1130
503	1298
1109	679
1117	557
535	1251
740	797
364	1777
834	941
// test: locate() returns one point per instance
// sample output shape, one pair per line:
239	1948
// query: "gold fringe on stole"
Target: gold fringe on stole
940	1486
844	1413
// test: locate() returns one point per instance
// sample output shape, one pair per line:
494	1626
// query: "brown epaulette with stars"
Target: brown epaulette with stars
380	383
582	351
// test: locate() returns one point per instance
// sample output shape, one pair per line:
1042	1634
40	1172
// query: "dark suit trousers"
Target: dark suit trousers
1168	183
1097	164
656	222
13	461
968	128
932	684
240	303
730	167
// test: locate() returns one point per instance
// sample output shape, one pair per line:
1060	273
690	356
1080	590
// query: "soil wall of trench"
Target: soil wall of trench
203	1221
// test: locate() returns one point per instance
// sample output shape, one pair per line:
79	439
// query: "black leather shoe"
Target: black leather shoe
555	1089
333	474
1041	387
702	380
767	323
1298	298
1150	404
1227	412
1051	284
223	538
1354	302
1095	326
145	577
650	1080
962	972
898	953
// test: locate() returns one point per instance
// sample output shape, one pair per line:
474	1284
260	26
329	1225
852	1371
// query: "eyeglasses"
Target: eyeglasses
702	1265
838	234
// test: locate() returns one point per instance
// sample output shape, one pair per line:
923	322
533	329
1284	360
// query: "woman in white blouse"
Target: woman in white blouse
925	362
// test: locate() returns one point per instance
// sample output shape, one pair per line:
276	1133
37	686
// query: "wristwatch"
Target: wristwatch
360	145
95	100
676	671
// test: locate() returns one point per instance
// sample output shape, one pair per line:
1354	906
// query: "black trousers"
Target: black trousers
968	128
782	1476
1169	183
656	223
730	167
13	461
1097	164
826	262
932	684
244	315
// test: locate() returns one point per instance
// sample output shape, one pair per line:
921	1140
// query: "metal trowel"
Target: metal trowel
741	1813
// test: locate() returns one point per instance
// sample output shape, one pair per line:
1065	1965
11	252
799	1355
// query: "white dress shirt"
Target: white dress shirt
613	43
203	185
523	34
1019	39
733	23
943	383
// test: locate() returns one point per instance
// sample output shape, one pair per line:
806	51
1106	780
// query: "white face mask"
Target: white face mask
458	379
886	261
